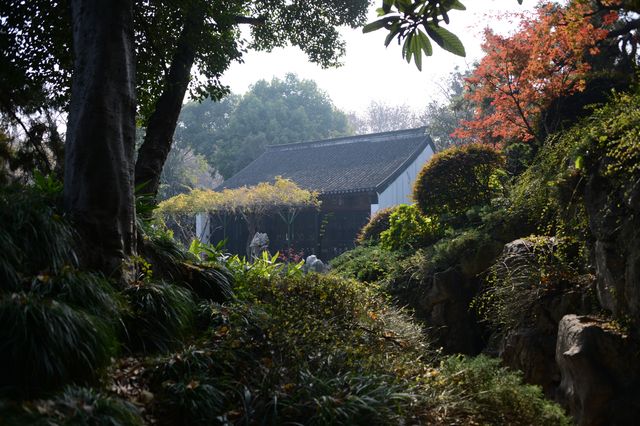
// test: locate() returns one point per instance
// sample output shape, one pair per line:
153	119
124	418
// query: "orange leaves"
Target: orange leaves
521	75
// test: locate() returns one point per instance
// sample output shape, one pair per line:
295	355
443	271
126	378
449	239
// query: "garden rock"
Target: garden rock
313	264
444	306
600	370
259	244
614	220
531	312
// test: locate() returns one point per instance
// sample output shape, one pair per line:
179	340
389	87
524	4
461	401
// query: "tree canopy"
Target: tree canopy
512	88
234	132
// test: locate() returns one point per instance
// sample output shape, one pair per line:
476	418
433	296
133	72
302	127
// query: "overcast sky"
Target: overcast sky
372	72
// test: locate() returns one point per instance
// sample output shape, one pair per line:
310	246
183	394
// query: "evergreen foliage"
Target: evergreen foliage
365	263
408	229
457	179
378	222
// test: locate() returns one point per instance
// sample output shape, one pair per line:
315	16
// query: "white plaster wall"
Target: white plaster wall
203	227
401	189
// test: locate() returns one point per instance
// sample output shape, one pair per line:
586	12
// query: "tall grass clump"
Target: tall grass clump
45	344
160	315
88	291
77	406
34	236
199	269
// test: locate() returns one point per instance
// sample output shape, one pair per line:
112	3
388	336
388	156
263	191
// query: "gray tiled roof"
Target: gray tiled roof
347	164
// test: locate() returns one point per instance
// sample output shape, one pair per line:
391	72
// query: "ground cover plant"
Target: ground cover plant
289	347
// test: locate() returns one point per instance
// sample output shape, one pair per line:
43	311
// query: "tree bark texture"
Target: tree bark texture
162	123
100	145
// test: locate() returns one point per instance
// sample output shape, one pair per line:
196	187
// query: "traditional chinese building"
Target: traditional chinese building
354	176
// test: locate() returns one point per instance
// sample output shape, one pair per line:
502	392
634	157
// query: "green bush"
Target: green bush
347	398
161	315
471	251
518	156
409	229
190	401
266	267
610	140
378	222
45	344
550	192
548	195
457	179
480	391
83	406
366	263
324	350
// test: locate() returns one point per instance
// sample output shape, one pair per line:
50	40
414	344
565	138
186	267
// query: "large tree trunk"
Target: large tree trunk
162	123
98	178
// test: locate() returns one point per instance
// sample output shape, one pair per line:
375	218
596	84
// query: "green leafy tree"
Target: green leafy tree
271	113
180	46
415	24
183	171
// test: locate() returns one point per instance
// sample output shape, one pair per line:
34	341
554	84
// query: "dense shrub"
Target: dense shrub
456	179
45	344
480	391
367	264
548	195
323	350
378	222
518	156
190	401
605	144
75	406
409	229
160	315
470	251
610	141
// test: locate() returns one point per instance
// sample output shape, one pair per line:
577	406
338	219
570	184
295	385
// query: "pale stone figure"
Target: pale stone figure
259	244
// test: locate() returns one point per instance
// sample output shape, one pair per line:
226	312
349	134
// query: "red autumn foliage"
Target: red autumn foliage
521	75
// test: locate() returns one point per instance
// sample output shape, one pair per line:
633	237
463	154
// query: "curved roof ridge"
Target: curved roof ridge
371	137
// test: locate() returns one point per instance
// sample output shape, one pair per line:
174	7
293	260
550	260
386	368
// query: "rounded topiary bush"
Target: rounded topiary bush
378	223
161	315
45	344
456	179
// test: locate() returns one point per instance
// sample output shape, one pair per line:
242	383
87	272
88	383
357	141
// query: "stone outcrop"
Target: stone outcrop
443	304
600	372
614	221
529	343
